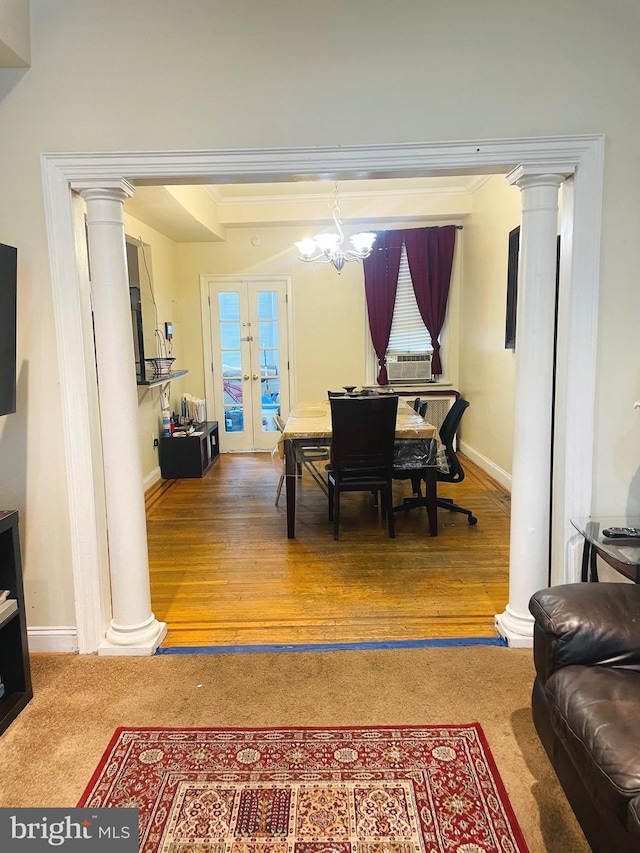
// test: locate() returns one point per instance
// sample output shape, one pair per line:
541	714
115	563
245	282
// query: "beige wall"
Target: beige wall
161	255
330	332
330	336
15	47
486	367
328	309
330	328
155	75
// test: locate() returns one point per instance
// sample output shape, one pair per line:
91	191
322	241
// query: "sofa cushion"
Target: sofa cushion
596	713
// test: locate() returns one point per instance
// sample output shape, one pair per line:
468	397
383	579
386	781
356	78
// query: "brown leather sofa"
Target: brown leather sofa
586	704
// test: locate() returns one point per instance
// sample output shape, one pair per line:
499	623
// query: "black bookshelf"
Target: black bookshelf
15	671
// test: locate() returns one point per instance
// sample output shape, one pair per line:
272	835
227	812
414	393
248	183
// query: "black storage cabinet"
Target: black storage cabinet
189	456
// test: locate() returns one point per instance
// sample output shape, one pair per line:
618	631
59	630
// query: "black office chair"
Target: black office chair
455	474
362	445
402	471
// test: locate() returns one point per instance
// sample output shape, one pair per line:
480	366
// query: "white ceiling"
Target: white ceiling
159	209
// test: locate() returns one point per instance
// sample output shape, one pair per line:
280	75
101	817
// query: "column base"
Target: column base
515	628
137	641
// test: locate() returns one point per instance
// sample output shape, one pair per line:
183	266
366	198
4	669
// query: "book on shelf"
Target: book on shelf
7	607
4	594
183	430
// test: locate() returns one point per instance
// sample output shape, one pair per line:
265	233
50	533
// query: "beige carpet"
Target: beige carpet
49	753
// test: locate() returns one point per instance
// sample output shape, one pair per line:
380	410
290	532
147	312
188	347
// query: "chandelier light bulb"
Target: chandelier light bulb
328	243
363	242
307	247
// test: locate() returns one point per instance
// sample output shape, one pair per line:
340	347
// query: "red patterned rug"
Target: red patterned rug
432	789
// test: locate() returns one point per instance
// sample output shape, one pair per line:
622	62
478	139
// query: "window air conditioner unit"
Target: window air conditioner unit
409	367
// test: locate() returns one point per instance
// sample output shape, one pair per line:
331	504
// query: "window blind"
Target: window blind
408	332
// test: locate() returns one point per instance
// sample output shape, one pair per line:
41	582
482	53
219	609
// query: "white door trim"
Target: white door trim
577	360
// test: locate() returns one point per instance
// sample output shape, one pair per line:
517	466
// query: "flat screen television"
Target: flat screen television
8	292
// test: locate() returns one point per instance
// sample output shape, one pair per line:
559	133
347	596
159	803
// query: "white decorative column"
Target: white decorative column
531	471
134	629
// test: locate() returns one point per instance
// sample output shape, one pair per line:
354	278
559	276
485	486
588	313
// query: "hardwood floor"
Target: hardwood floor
224	573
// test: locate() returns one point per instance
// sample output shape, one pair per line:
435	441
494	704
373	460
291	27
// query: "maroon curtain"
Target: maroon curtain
380	283
430	257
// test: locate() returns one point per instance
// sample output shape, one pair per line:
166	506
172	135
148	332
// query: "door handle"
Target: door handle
246	376
255	376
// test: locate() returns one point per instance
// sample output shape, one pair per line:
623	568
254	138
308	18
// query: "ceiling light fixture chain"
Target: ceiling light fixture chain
327	248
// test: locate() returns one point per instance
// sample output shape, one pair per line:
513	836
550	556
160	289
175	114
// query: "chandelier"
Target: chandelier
327	248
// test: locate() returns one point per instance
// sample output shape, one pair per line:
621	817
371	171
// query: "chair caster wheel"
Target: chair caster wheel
472	519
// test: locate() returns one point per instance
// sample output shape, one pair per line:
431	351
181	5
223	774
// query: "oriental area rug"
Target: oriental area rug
431	789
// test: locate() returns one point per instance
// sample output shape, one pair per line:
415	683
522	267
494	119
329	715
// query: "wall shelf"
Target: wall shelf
161	380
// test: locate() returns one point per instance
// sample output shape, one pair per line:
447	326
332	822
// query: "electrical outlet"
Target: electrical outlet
155	442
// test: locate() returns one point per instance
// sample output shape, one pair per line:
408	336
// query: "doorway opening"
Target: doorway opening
577	318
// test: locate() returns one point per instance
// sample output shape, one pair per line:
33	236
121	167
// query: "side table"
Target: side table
623	555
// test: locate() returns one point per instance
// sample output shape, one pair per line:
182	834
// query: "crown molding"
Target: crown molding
361	195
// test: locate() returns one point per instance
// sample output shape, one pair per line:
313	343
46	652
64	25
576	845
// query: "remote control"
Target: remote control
622	532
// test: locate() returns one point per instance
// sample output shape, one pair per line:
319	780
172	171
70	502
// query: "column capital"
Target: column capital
109	190
540	175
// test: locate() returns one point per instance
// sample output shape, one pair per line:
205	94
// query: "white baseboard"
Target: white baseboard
493	470
152	478
52	639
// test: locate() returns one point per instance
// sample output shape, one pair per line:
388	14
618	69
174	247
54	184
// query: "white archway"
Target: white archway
581	157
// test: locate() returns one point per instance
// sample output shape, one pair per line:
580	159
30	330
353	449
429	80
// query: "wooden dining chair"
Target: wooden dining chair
420	407
306	457
362	452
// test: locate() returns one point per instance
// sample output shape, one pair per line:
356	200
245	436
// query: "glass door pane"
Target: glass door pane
269	357
231	355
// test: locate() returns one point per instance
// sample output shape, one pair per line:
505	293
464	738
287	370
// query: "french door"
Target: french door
249	359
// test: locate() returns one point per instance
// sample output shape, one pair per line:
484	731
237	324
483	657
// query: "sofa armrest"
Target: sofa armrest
633	821
586	623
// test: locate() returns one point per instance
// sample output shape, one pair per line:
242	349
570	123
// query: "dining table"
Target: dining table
417	446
